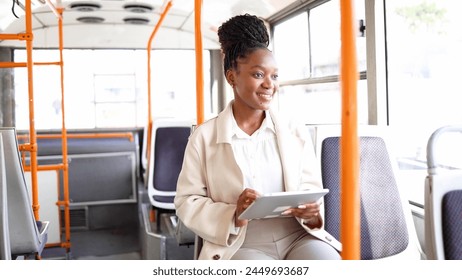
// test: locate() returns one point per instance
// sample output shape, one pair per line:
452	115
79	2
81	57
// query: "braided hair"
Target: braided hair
239	36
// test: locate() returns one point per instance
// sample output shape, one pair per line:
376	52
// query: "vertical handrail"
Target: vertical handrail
32	133
150	121
65	202
199	61
350	201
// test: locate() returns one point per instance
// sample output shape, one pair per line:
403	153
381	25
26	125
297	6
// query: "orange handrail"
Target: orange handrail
48	167
350	211
66	199
32	132
199	61
24	64
83	135
149	47
21	36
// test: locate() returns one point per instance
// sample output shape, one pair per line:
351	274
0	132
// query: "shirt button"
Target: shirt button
216	257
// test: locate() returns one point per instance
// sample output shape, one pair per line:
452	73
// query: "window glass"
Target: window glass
108	88
424	40
317	100
292	52
325	38
319	103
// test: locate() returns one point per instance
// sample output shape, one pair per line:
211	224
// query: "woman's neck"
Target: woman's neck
248	120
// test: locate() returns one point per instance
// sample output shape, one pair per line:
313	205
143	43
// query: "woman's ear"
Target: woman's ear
230	77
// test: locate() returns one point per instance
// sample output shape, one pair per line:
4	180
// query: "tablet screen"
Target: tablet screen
273	204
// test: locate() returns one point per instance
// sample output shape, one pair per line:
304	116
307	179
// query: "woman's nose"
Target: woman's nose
268	83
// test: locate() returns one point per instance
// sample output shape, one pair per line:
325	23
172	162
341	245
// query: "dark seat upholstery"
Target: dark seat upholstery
386	223
169	139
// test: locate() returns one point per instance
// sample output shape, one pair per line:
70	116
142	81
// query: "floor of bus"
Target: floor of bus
109	244
125	243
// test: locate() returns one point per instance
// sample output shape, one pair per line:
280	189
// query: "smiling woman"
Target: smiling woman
254	147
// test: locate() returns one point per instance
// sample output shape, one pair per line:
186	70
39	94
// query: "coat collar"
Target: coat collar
225	119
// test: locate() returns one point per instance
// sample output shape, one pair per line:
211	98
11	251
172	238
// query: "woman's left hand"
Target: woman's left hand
309	212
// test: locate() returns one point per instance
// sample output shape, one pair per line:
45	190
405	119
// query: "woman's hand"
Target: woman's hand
309	212
245	199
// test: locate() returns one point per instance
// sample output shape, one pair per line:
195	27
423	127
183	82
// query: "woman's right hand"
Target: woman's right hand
246	198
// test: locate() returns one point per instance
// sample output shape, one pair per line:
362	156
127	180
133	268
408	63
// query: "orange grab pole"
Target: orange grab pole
149	125
199	61
66	199
33	136
350	210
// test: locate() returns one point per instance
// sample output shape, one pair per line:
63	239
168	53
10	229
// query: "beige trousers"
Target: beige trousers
282	239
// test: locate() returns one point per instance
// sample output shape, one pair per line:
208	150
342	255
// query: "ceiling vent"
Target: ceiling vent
138	8
133	20
84	7
90	19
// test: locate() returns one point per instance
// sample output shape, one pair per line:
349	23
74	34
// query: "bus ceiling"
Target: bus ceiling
125	24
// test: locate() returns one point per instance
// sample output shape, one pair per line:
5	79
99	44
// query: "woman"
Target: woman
245	151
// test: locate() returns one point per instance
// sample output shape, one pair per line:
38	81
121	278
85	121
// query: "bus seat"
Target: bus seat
5	251
443	196
387	228
169	139
27	236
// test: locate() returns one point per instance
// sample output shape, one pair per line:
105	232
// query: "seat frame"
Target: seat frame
438	183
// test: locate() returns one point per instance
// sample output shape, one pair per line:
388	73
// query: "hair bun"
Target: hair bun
243	29
239	36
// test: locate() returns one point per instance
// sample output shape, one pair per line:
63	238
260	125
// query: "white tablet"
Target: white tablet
273	204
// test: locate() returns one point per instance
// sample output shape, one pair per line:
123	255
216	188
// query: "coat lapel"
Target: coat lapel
290	149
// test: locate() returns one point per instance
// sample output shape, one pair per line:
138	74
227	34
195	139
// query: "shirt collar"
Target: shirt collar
266	124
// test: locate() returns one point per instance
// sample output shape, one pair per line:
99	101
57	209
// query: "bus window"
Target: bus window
424	40
292	67
309	64
108	88
319	103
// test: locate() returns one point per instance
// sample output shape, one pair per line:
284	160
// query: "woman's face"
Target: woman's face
255	80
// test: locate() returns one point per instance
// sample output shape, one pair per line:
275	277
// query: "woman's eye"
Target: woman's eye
275	77
258	75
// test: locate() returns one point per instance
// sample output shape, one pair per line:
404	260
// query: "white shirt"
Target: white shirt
258	157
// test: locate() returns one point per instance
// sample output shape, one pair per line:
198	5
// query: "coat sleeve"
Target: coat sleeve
213	221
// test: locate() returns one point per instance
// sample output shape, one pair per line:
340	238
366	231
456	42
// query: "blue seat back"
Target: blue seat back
384	231
452	224
169	139
170	144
